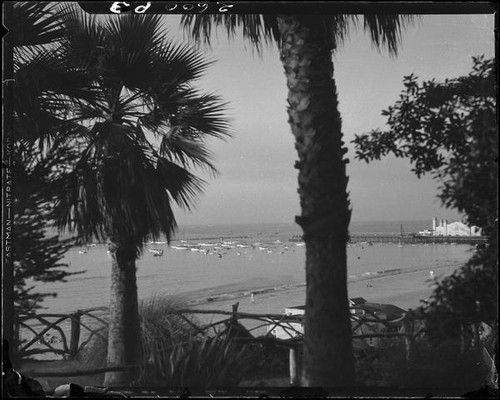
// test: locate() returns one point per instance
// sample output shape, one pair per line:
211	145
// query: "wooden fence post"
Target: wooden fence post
295	357
75	334
462	339
15	346
293	361
408	330
235	312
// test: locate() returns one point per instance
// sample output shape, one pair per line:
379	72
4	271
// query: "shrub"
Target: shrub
197	363
174	353
160	328
267	361
432	365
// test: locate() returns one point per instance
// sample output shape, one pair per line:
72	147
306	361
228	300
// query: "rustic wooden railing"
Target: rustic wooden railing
44	336
385	328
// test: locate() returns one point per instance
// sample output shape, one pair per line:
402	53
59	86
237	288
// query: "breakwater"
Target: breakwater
416	239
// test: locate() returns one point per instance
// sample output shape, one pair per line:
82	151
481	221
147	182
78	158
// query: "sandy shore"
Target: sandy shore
403	288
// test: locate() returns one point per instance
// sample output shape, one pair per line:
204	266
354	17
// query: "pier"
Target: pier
417	239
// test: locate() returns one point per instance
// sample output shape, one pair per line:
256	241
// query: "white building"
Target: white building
293	325
443	228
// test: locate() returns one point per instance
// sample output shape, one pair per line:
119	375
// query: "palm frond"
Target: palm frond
187	109
181	184
385	30
35	23
187	150
132	43
135	32
337	27
203	114
47	74
45	98
258	29
83	45
178	64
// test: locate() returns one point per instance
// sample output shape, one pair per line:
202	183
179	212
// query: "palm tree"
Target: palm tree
306	43
123	95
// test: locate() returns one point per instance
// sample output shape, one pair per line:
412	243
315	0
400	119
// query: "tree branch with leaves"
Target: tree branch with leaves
449	130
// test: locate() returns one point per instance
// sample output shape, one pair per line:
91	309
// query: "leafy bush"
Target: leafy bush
449	129
432	365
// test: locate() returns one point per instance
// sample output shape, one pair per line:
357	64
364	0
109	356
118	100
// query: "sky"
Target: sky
257	182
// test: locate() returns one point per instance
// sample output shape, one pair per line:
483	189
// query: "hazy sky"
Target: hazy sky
257	181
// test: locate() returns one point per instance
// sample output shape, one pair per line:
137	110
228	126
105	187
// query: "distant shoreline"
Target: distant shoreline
187	300
281	288
291	229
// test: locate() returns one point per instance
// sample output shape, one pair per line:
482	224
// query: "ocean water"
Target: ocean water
204	262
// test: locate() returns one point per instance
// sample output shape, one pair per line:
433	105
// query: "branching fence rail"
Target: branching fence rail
402	327
45	337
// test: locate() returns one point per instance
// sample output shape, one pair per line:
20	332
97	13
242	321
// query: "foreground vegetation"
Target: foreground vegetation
176	354
449	130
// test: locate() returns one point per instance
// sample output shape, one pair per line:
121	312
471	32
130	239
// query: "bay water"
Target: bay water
205	262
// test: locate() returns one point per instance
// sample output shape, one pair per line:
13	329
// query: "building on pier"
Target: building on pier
443	228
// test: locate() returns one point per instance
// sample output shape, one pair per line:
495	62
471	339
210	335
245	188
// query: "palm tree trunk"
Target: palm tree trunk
124	337
306	53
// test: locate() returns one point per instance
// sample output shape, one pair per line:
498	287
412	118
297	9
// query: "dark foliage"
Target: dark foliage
37	254
430	366
449	129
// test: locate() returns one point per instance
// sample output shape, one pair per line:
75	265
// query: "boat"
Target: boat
400	244
180	248
82	251
156	252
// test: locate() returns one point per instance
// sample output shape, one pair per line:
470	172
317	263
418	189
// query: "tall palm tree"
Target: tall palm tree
306	43
123	95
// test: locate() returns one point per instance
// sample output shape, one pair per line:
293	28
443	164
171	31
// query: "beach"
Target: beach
406	290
